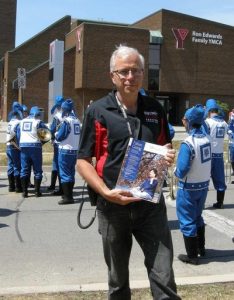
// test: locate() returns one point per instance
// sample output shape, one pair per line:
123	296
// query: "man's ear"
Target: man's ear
112	77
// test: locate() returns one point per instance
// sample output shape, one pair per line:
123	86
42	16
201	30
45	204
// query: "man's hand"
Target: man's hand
120	197
170	156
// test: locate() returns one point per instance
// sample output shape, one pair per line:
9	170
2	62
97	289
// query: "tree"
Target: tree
224	107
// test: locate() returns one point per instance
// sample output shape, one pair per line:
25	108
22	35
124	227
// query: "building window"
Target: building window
154	66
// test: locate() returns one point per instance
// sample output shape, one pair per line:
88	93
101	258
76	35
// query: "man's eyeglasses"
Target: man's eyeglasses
125	72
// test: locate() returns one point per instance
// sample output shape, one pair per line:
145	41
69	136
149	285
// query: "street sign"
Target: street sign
21	72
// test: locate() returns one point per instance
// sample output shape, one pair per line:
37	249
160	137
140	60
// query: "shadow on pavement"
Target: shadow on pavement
225	206
173	224
213	255
5	212
3	225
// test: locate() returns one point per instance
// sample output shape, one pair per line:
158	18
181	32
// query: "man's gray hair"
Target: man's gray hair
124	51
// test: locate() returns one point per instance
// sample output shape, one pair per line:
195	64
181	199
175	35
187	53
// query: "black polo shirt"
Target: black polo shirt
105	133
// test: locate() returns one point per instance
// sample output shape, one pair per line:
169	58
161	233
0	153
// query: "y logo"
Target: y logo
78	39
180	35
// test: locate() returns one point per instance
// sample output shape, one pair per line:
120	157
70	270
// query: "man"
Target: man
217	128
68	137
13	150
231	144
231	115
57	119
193	171
31	150
25	111
25	115
147	188
108	125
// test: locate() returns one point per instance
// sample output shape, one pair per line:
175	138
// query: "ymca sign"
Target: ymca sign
205	38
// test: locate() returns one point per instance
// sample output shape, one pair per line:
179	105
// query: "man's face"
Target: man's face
186	124
152	174
128	74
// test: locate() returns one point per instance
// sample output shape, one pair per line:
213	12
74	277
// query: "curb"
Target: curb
92	287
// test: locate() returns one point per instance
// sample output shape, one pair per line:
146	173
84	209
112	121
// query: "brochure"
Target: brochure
143	170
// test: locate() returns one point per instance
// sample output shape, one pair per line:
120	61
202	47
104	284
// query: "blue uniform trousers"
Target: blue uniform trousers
67	162
189	207
55	158
10	164
217	173
13	163
231	153
31	156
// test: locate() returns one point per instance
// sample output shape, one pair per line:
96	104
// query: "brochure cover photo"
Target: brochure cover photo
143	170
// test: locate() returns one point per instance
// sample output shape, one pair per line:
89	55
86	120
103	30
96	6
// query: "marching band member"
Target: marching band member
57	119
193	170
25	114
25	110
13	151
68	137
231	143
217	128
31	150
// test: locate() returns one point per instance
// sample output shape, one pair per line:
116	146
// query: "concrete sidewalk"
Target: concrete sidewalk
43	249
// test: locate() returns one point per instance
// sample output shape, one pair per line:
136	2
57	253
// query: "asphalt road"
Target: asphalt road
43	250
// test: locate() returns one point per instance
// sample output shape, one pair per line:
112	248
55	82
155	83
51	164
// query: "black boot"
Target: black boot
37	187
54	175
24	184
191	249
220	198
201	241
11	180
232	168
30	184
18	186
60	191
67	194
71	190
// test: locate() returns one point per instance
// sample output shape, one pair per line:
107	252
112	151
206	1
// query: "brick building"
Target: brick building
187	60
7	20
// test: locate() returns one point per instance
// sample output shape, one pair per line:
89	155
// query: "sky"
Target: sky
34	16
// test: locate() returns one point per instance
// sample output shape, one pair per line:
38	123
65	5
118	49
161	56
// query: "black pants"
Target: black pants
147	222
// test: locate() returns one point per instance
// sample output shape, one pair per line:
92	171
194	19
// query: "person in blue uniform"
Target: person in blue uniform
25	115
108	124
13	150
57	119
25	111
172	131
68	137
217	128
231	143
193	168
31	150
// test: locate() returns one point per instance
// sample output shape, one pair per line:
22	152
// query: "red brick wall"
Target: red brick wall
98	43
198	68
7	25
31	54
36	93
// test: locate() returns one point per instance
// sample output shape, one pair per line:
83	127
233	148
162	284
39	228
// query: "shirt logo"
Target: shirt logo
27	126
220	132
151	117
205	153
76	129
